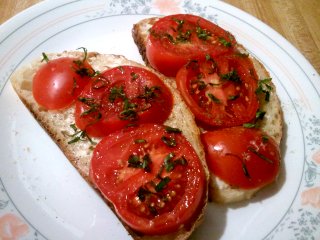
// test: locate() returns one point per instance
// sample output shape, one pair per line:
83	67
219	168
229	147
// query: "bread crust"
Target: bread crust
272	123
57	124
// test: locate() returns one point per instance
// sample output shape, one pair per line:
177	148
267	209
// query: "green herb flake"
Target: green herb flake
202	34
162	184
134	76
231	76
44	58
213	98
135	161
263	157
249	125
224	42
169	129
78	135
265	138
116	92
137	141
169	141
264	87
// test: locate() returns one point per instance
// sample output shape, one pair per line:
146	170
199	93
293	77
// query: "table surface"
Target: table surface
296	20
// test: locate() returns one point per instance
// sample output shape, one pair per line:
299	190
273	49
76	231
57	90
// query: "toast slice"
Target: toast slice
57	123
272	123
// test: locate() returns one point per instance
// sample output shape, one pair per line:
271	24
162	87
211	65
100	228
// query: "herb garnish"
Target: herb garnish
162	184
213	98
78	135
169	141
263	157
150	92
169	129
259	116
231	76
224	42
202	34
135	161
93	106
116	92
244	166
45	58
140	141
264	87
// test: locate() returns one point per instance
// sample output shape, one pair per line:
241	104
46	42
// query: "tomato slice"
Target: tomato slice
152	176
221	92
121	96
245	158
176	39
59	82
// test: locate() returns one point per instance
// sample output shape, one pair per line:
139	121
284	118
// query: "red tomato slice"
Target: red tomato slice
242	157
122	96
174	40
58	82
152	176
220	91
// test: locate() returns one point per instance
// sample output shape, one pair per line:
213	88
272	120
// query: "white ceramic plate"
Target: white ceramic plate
43	197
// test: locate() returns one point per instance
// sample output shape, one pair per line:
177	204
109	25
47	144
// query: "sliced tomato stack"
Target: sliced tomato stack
220	86
150	173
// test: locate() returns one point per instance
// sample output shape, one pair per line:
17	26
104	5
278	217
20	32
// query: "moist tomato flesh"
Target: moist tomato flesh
160	197
176	39
220	91
121	96
242	157
58	82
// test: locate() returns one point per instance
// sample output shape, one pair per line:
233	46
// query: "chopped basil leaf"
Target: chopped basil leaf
249	125
169	164
45	58
134	161
162	184
231	76
121	69
245	170
224	42
150	93
169	129
263	157
78	135
169	141
213	98
265	138
134	76
233	97
142	192
116	92
260	115
140	141
202	34
265	88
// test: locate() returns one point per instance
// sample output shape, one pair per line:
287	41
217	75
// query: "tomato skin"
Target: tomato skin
242	157
120	184
235	101
176	39
57	84
128	83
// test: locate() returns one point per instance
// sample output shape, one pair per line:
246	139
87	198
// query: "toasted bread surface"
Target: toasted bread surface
272	123
57	123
